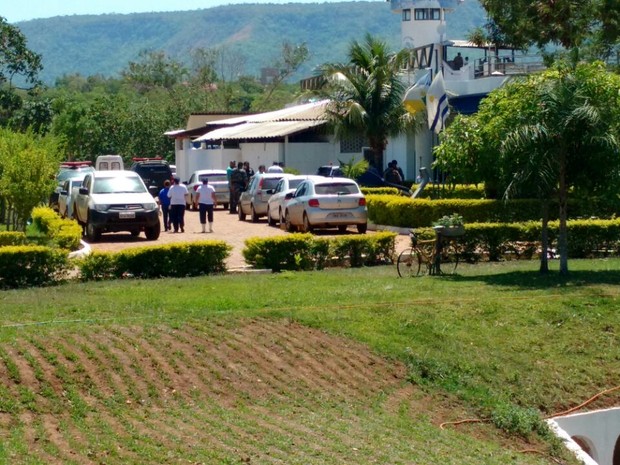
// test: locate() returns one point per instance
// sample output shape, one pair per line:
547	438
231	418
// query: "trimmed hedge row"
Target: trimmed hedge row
434	191
65	233
25	266
12	238
308	252
586	238
415	213
175	260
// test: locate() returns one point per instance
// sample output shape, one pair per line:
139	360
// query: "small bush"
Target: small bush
12	238
25	266
63	233
517	420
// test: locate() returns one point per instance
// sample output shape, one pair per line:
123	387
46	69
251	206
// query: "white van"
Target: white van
109	162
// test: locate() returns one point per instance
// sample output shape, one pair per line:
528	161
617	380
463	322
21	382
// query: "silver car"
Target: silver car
326	203
254	200
217	179
67	195
277	201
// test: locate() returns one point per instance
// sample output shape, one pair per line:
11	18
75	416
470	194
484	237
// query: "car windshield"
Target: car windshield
68	174
339	188
118	185
214	177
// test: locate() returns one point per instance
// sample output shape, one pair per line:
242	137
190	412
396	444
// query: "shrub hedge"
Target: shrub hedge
64	233
25	266
406	212
12	238
175	260
307	252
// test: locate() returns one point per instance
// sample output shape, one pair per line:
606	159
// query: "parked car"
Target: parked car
275	205
326	203
68	170
254	200
217	179
153	171
329	171
67	196
110	201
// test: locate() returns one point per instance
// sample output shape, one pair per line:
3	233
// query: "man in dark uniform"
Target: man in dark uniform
238	183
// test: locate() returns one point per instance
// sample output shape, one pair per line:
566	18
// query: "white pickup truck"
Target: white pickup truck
111	201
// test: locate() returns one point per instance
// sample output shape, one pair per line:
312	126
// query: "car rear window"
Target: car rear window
270	183
155	169
213	177
336	189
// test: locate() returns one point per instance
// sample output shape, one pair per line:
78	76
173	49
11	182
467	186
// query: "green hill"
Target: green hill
104	44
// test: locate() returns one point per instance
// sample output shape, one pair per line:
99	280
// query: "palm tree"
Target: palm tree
366	95
570	146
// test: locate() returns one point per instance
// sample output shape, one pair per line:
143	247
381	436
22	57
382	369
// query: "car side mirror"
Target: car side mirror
269	191
83	190
153	190
289	196
64	193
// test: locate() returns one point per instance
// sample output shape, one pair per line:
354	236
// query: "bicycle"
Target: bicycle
437	256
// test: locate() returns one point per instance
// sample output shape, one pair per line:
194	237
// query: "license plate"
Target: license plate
340	215
126	215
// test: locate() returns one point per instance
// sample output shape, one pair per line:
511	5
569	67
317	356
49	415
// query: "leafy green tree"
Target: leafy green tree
28	164
549	136
569	23
19	68
154	69
366	94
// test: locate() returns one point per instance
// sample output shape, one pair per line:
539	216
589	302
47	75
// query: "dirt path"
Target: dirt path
226	227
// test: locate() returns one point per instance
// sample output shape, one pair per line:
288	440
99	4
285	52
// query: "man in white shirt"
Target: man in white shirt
205	196
178	195
275	168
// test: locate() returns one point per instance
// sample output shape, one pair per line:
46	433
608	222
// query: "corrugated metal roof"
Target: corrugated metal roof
306	112
259	130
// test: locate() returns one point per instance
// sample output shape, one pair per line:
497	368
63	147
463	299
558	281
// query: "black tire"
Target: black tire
287	222
270	220
410	263
306	227
342	228
450	256
135	232
93	234
152	233
253	214
240	213
362	228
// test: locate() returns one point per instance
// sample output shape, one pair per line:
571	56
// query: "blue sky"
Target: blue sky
15	11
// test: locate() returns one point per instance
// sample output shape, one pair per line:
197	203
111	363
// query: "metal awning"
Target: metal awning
267	130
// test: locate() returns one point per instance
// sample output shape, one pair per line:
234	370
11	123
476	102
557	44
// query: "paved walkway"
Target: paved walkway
226	227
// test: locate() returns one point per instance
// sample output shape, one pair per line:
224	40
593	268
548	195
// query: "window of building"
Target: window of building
407	15
352	144
425	14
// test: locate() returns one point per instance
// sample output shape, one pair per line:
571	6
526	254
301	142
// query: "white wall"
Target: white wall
600	430
188	159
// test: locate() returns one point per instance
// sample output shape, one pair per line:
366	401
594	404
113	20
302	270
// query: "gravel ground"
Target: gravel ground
226	227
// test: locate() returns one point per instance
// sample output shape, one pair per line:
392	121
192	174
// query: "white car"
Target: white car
326	203
253	201
67	195
217	179
277	201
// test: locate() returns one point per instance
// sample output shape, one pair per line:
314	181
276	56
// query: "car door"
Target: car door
81	200
295	206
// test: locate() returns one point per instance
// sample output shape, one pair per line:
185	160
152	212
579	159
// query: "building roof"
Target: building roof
306	112
259	130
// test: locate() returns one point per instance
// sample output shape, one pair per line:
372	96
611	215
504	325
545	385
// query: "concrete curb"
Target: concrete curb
82	252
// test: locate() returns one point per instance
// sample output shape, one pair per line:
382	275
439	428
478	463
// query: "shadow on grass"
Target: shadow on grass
536	280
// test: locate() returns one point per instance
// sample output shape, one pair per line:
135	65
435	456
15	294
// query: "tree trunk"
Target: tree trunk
563	201
544	238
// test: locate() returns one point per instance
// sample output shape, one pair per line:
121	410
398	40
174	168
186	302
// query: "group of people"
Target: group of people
174	197
394	173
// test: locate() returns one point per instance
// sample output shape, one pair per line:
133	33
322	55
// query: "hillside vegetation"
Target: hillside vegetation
348	366
104	44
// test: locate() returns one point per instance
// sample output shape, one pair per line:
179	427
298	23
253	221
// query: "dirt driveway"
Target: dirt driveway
226	227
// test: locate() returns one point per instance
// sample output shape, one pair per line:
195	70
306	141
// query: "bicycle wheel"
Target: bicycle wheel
409	263
450	255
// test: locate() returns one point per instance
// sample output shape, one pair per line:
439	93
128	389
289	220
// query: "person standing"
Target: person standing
261	168
248	169
238	183
178	195
205	196
229	171
164	204
399	169
275	168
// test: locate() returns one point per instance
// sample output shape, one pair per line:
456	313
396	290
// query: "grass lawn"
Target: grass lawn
341	366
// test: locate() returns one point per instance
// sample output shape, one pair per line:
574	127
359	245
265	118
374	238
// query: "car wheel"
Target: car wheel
342	228
240	212
307	227
225	205
282	220
270	220
92	233
362	228
287	222
253	214
152	233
